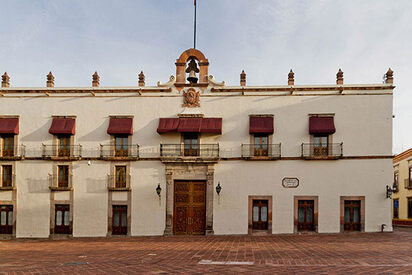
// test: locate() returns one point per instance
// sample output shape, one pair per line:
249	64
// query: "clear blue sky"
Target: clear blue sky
266	38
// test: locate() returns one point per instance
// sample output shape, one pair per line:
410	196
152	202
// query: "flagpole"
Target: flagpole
194	32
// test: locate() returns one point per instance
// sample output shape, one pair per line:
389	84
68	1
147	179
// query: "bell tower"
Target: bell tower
188	60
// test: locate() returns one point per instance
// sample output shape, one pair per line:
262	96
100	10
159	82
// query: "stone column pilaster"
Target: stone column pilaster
210	175
169	202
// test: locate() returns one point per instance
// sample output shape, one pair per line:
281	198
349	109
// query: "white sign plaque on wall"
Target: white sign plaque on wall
290	182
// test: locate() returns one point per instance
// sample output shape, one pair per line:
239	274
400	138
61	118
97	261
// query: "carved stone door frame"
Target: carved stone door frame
189	171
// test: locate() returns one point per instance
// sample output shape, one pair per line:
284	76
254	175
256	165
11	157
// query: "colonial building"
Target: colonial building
194	156
402	188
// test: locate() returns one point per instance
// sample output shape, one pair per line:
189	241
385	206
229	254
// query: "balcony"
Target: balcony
193	152
408	183
8	183
316	151
60	184
66	152
13	153
261	151
118	183
127	152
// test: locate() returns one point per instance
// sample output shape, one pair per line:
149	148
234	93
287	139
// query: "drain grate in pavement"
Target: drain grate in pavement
224	263
74	264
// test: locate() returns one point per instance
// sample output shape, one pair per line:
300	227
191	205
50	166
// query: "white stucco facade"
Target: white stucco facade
362	117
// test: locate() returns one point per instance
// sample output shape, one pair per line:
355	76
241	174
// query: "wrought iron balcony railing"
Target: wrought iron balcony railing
57	183
125	151
181	150
8	182
62	151
316	151
13	152
261	150
118	183
408	183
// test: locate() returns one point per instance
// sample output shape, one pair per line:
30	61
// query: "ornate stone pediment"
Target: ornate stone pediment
191	98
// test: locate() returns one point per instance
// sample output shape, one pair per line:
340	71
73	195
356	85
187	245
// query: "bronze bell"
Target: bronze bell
192	77
192	70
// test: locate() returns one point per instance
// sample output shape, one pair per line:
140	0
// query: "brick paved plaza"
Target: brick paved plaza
377	253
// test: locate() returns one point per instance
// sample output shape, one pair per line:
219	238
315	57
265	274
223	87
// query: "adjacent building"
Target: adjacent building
195	156
402	189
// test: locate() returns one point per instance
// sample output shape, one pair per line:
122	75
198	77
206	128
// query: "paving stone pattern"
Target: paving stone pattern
362	253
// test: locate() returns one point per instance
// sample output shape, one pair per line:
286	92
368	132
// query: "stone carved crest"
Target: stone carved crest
191	98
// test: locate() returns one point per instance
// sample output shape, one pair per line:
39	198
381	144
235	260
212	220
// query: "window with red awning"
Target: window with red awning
63	126
120	126
9	126
261	125
319	125
190	125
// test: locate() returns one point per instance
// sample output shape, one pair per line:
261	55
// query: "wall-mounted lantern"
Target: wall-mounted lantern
158	190
389	192
218	188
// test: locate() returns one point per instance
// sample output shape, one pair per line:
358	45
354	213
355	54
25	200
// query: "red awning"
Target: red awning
321	125
211	125
9	126
120	126
190	124
260	125
63	126
167	125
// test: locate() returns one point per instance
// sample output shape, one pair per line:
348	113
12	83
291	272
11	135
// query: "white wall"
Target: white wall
329	180
90	201
363	123
148	213
33	199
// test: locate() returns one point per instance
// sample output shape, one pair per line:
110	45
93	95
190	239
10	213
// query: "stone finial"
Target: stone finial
291	78
141	79
50	80
339	77
96	80
243	78
389	77
5	82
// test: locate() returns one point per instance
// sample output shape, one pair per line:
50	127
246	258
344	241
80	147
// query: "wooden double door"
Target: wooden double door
119	221
6	219
62	219
64	146
260	215
352	216
189	213
306	219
